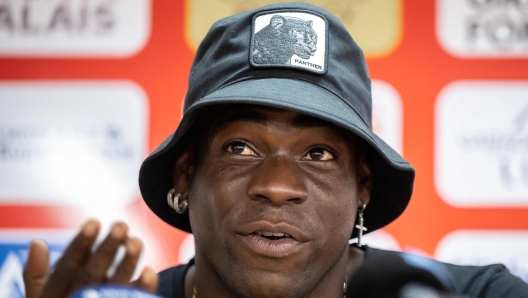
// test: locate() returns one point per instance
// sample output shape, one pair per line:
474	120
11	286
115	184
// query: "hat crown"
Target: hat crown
227	56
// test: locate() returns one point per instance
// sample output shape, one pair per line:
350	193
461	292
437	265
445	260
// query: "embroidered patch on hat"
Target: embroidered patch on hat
289	38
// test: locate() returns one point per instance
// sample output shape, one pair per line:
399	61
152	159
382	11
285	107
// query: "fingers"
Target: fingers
59	283
80	267
98	263
126	269
148	280
37	269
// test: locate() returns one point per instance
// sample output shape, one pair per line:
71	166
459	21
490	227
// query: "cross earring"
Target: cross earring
360	226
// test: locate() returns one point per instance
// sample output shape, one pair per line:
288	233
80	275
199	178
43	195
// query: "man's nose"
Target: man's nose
279	179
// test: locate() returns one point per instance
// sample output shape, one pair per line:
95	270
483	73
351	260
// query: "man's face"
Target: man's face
273	200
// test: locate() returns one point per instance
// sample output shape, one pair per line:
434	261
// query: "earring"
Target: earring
360	226
174	202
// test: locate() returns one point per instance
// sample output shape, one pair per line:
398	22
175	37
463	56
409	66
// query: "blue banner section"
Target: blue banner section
112	291
13	256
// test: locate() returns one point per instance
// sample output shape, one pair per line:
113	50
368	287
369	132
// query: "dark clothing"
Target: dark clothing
172	281
492	281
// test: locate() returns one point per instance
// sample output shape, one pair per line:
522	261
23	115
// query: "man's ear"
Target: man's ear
182	171
365	181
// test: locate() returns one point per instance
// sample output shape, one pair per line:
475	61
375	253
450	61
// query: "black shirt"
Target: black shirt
492	281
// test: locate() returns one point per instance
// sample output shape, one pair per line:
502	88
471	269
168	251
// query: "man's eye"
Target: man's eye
319	154
240	148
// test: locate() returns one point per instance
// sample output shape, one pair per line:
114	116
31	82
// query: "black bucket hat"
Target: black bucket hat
292	56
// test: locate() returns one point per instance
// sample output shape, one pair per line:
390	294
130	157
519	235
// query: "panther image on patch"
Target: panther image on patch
284	36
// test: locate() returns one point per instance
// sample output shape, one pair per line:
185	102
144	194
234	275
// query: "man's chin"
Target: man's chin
267	284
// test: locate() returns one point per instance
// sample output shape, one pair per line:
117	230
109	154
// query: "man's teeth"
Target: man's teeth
270	234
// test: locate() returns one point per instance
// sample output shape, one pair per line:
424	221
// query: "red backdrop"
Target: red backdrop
418	68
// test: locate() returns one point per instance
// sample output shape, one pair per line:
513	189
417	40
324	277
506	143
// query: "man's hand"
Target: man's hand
80	267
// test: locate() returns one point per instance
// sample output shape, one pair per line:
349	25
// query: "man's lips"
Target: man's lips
271	248
271	240
277	230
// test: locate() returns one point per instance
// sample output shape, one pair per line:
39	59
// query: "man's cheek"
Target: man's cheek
338	217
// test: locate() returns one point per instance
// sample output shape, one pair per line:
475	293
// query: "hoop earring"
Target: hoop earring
360	226
174	202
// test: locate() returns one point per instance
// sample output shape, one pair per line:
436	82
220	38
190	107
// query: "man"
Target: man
273	168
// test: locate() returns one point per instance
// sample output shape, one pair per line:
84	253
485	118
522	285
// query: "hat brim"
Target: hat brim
393	176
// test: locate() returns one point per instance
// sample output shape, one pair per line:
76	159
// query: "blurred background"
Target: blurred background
89	87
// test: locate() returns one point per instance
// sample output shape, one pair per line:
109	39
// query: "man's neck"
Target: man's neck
330	286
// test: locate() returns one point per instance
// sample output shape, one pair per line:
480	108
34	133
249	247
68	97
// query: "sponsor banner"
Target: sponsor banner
483	28
481	144
13	256
376	25
74	28
75	143
387	114
480	247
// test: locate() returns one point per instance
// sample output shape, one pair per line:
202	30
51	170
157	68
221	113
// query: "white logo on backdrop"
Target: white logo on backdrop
481	147
75	143
115	28
486	247
387	114
483	28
